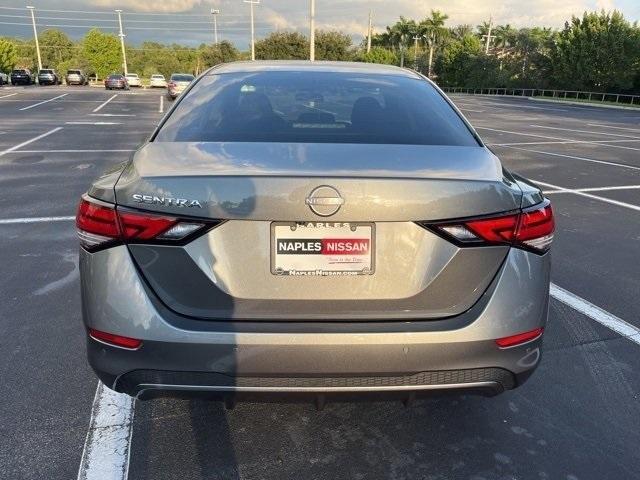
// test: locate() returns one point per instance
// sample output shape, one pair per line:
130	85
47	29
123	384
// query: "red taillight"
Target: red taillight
101	224
532	228
520	338
115	340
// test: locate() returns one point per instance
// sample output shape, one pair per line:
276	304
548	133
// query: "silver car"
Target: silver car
322	229
177	84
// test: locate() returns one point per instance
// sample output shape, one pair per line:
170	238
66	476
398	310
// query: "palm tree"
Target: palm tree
401	32
505	37
434	32
460	31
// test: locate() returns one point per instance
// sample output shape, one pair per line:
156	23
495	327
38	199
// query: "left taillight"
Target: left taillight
100	225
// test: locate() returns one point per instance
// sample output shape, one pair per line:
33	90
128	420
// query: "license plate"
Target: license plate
322	248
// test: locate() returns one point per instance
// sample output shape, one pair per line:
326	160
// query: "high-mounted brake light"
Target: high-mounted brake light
101	224
531	229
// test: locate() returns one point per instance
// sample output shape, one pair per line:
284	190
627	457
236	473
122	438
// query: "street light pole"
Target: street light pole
312	31
253	38
215	13
121	35
35	35
369	34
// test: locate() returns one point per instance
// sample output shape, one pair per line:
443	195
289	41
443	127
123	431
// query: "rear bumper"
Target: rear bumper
243	359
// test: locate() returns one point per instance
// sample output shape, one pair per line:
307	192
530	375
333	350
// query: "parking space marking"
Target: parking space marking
574	157
161	104
12	221
611	126
34	139
106	451
93	123
43	102
10	95
73	151
563	142
588	195
596	313
591	132
597	189
99	107
594	142
112	115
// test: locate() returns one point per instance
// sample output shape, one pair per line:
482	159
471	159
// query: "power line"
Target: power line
124	12
180	22
105	27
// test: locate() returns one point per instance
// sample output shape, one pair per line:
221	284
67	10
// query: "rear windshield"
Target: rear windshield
157	76
46	71
19	71
115	77
315	107
73	72
182	78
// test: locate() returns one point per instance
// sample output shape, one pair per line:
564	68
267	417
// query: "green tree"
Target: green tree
102	51
599	51
333	45
457	60
8	55
434	32
223	52
55	47
378	55
283	46
401	33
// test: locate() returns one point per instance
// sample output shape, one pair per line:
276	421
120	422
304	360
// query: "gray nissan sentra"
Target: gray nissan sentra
313	229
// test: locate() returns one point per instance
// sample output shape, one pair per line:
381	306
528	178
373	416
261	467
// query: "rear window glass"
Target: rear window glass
315	107
73	72
46	71
182	78
115	77
157	76
19	71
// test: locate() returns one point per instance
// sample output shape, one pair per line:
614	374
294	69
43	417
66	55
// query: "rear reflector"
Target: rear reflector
101	224
115	340
531	229
520	338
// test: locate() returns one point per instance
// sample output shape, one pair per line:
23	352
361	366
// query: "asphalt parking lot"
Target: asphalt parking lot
578	417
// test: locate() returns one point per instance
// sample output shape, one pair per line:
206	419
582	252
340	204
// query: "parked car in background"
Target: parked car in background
177	84
116	81
76	77
22	76
49	76
157	81
4	78
133	80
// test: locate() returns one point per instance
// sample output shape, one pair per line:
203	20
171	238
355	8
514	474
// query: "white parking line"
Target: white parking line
591	132
10	95
588	195
611	126
112	115
11	221
584	159
106	451
73	151
93	123
99	107
563	142
594	142
20	145
161	104
596	313
597	189
46	101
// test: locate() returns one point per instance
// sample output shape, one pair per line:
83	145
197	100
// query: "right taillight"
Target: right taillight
101	224
531	229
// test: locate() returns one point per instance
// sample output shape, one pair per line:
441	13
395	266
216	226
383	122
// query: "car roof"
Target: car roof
306	65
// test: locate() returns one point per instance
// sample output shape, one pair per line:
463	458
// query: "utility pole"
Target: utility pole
415	52
369	34
121	35
486	46
312	31
215	13
253	38
35	35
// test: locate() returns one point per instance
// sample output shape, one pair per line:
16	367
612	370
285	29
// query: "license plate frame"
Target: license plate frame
321	263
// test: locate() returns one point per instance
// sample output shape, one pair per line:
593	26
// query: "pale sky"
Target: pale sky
192	22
